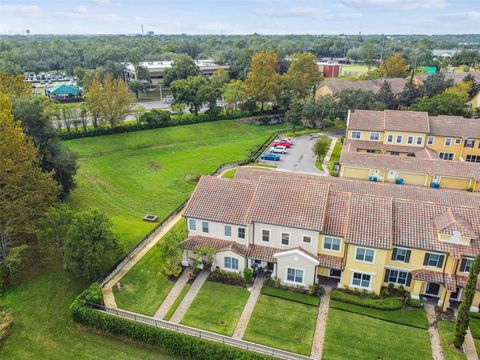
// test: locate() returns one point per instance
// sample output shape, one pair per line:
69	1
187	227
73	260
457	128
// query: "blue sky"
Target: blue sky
240	16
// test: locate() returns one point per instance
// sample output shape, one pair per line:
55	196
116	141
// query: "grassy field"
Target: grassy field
283	324
352	336
447	331
217	308
153	171
354	70
43	327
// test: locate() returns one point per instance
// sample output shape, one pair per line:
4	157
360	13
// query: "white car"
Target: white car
289	140
278	149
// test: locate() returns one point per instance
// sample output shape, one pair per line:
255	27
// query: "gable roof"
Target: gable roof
394	120
336	86
449	221
64	89
454	126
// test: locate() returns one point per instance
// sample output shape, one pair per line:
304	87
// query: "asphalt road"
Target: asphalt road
300	157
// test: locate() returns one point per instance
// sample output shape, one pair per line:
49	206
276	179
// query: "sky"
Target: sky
240	16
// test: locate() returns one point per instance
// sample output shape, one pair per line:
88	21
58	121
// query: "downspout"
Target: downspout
315	274
443	274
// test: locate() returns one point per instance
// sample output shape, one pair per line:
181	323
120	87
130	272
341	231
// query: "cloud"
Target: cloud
31	10
472	15
394	5
80	9
289	12
102	2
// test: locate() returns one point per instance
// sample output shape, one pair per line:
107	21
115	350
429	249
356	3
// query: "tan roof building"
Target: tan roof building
333	87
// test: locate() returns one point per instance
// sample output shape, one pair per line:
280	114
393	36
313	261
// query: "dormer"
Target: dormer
453	228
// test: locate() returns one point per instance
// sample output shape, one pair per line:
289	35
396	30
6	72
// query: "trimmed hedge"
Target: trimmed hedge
370	302
227	277
291	296
173	343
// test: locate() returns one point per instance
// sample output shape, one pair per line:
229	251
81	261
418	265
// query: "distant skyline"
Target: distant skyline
240	16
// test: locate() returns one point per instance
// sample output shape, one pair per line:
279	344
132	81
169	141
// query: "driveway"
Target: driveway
300	156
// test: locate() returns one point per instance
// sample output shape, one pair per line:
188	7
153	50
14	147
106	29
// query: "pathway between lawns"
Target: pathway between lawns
437	352
107	293
189	296
319	336
249	306
173	295
327	157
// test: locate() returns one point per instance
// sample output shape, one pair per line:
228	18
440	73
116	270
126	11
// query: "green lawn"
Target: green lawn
282	324
353	336
153	171
145	286
230	174
291	295
354	70
475	327
177	302
447	331
43	327
413	317
217	308
337	149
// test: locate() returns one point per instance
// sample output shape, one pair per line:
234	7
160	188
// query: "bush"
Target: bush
227	277
248	275
321	146
316	290
156	117
414	303
367	301
176	344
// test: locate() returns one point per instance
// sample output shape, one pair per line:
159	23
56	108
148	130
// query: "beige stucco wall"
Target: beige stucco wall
295	261
296	236
217	230
220	260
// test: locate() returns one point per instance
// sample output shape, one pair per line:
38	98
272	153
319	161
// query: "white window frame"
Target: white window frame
225	230
362	273
355	133
467	141
364	254
294	276
410	140
397	277
244	233
419	140
269	235
375	136
207	227
190	222
446	156
281	238
399	137
431	140
449	142
405	255
469	262
458	141
332	249
390	138
231	267
306	236
438	259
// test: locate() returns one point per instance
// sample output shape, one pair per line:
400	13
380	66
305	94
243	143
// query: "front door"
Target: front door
432	289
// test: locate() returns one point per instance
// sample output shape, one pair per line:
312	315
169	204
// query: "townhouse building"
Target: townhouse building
308	229
410	147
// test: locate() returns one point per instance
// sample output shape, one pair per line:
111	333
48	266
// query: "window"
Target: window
192	224
285	239
458	141
361	280
205	226
366	255
431	140
394	153
374	136
390	138
470	143
228	230
355	134
446	156
402	255
396	277
266	235
241	233
434	260
448	141
466	265
399	139
307	239
335	273
295	275
230	263
410	140
419	140
473	158
330	243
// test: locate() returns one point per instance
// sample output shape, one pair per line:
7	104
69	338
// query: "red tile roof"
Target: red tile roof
420	152
454	126
449	221
436	277
394	120
218	245
264	253
336	86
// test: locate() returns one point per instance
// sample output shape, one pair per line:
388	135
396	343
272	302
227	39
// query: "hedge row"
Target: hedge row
174	120
173	343
291	296
374	303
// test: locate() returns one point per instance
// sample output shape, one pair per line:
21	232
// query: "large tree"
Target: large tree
190	91
171	252
233	93
116	100
435	84
303	74
409	94
263	82
394	67
183	67
442	104
386	96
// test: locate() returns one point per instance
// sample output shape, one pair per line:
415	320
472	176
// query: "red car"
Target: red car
282	143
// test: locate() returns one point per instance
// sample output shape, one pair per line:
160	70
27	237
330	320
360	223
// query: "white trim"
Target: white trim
332	237
296	252
225	233
289	238
401	139
458	142
431	138
208	227
390	142
355	138
421	140
408	140
269	235
294	282
363	261
309	236
189	227
238	230
374	132
358	286
445	142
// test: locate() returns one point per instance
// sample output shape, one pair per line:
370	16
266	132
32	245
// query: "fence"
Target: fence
202	334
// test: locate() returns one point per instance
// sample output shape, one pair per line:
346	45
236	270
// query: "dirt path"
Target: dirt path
248	309
319	336
437	352
172	295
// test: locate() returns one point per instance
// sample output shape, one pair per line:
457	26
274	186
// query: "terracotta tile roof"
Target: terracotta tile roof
394	120
222	200
454	126
196	242
420	152
374	85
461	280
264	253
338	208
290	202
456	77
436	277
331	262
369	120
408	164
449	221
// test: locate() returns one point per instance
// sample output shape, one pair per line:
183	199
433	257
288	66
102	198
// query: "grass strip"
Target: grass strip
291	296
177	302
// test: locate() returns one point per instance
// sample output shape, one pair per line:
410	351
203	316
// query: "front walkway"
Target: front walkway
173	294
190	296
328	155
249	306
437	352
318	337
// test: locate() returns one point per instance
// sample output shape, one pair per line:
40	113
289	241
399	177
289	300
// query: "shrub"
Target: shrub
321	146
227	277
370	302
315	289
248	275
156	117
414	303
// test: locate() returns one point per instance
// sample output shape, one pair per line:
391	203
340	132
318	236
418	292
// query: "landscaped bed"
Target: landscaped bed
217	307
447	333
291	295
283	324
354	336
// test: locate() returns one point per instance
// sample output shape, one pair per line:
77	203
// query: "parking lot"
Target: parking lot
299	157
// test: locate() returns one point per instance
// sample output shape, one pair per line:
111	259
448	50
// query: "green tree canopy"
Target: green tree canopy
183	67
442	104
303	74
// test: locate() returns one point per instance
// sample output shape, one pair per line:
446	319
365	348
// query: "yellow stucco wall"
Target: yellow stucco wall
455	183
476	101
439	146
356	173
412	178
365	135
405	136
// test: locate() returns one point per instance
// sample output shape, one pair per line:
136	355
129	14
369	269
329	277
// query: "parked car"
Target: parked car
282	143
278	149
270	156
289	140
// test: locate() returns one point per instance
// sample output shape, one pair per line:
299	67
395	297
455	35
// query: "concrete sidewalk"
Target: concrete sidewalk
248	309
318	337
435	343
328	155
172	295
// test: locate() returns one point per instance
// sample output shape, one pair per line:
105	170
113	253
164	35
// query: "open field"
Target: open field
352	336
354	70
282	324
154	171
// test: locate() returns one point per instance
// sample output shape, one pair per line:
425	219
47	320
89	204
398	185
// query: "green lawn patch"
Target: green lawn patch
145	286
217	308
447	334
177	302
153	171
282	324
291	295
230	174
367	300
337	150
475	327
320	158
301	132
353	336
411	317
